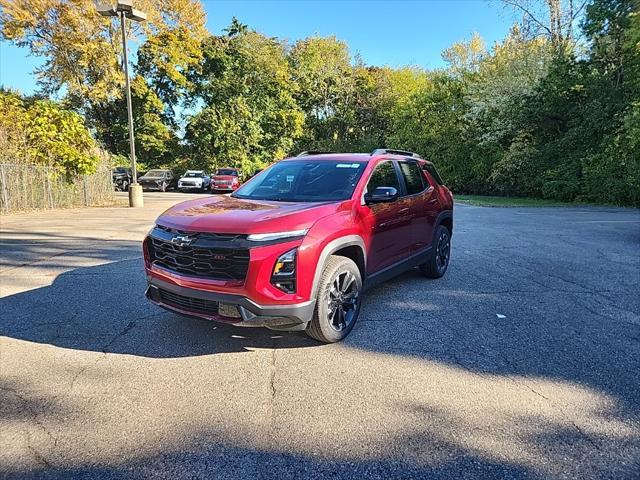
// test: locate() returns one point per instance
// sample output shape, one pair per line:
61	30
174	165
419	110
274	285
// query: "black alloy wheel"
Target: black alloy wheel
342	301
443	250
338	300
438	261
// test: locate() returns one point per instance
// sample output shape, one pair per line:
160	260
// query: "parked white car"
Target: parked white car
194	180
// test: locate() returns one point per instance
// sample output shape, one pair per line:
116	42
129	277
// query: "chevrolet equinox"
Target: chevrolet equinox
295	247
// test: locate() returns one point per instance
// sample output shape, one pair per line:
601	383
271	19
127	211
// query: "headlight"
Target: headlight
266	237
283	276
286	264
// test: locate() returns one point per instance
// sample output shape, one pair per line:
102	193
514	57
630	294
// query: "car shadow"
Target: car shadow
102	308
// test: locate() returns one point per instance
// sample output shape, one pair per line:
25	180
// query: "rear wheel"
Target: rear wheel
337	302
163	186
437	265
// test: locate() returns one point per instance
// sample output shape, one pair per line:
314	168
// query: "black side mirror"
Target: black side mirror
381	195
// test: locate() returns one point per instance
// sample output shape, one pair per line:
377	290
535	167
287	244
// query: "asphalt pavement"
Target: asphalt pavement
522	362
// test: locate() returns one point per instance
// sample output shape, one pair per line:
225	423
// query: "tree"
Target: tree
13	138
554	19
164	61
83	50
325	81
156	142
612	166
41	132
249	116
464	58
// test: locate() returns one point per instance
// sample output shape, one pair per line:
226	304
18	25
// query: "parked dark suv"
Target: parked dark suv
162	180
122	178
296	246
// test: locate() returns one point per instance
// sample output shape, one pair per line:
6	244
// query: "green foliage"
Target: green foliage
249	116
528	118
83	50
539	114
155	141
41	132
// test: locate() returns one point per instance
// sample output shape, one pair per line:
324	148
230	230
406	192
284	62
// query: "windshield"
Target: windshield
193	174
304	181
155	173
120	170
226	171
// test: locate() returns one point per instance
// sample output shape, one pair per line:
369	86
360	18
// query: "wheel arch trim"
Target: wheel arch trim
332	247
442	216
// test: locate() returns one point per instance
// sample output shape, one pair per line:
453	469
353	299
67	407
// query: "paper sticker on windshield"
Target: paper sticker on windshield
290	178
347	165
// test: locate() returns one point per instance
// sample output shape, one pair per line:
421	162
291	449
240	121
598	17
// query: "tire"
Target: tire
163	187
340	287
438	263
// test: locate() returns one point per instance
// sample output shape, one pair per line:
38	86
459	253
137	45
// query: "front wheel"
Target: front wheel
337	301
437	265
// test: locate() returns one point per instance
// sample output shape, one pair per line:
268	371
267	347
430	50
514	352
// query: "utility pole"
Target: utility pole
124	9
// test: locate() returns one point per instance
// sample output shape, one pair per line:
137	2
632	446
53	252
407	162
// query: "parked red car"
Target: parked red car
225	180
295	247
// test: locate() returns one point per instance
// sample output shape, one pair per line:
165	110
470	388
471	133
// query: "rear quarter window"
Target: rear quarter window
429	167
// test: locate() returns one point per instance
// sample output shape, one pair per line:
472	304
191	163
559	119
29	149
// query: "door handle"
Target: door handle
403	210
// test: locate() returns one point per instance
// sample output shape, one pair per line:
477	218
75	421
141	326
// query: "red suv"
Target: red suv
295	247
225	180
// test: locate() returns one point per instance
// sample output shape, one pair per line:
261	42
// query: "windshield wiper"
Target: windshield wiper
281	199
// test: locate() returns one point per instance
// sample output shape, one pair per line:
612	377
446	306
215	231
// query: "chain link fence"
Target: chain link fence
28	187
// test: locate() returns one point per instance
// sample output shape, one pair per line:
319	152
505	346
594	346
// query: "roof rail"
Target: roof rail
392	151
306	153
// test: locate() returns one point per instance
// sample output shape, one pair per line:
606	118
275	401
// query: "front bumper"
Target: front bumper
182	186
291	317
150	185
226	188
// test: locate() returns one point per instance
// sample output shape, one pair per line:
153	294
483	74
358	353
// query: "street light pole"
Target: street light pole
132	143
124	9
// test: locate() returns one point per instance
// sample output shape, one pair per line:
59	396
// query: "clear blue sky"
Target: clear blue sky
382	32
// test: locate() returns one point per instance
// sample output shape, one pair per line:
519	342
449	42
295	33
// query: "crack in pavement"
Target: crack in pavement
518	382
40	458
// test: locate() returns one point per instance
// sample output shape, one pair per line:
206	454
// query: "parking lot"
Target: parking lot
522	362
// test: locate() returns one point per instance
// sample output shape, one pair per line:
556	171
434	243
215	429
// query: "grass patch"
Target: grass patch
488	201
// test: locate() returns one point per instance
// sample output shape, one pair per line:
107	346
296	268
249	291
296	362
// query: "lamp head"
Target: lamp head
106	10
124	6
136	15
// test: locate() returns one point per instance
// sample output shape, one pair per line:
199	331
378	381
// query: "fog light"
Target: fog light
228	310
283	276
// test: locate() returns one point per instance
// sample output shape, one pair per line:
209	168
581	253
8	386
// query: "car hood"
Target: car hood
196	179
223	214
151	178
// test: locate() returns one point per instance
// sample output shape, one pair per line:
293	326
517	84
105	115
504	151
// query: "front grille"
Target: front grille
196	305
224	237
216	262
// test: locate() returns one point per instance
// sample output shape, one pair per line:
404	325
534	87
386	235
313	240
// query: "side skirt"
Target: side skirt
397	268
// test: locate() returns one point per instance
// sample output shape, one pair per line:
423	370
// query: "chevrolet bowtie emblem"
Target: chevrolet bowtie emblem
182	240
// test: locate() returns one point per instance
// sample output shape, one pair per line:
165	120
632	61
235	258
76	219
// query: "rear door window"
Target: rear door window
413	177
